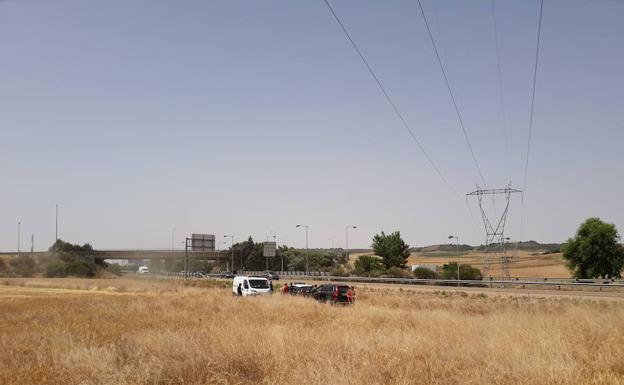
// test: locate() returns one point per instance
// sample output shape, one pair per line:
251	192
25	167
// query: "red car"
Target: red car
334	294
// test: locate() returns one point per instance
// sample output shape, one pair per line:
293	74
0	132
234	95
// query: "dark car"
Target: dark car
331	293
226	274
271	275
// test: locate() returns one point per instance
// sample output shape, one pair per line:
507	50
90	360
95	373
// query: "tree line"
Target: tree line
593	252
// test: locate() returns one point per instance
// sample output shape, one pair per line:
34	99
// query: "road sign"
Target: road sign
202	242
270	249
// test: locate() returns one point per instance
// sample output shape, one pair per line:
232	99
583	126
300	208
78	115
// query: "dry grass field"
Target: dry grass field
123	331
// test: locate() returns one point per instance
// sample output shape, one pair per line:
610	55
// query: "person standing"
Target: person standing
351	295
239	290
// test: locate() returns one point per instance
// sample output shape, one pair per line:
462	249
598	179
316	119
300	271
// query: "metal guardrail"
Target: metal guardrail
468	283
514	282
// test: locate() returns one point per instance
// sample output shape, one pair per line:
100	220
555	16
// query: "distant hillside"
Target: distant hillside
531	246
526	246
447	247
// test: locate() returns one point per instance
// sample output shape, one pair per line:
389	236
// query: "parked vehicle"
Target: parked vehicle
251	285
143	270
331	293
300	288
226	274
305	291
271	275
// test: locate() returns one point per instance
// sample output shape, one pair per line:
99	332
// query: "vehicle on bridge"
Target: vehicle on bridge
251	285
270	275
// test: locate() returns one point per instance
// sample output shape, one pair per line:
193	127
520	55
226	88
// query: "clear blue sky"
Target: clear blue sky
242	117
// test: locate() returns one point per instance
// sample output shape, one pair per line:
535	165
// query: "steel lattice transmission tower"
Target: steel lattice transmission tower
495	236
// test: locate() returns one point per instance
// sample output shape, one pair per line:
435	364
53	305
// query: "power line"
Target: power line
448	86
539	33
389	99
500	86
526	164
397	112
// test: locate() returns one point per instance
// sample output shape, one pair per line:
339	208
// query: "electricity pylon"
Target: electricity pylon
495	236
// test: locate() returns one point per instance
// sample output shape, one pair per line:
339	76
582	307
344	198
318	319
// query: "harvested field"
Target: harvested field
166	332
526	264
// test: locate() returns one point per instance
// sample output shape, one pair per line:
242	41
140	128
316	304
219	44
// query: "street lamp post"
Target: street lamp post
219	254
457	253
347	240
232	237
307	248
276	248
172	240
19	229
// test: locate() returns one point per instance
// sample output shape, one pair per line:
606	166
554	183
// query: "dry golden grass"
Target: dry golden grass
163	332
527	264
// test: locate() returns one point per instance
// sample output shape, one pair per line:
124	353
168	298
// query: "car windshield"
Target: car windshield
343	289
259	283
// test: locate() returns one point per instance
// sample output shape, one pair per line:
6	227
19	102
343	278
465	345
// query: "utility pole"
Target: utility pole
347	239
56	225
186	258
19	225
276	248
32	244
307	248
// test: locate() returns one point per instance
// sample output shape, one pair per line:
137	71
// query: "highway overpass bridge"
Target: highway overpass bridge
141	254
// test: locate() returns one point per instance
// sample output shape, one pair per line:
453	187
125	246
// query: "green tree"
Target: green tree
449	271
68	252
397	272
594	251
368	265
424	273
391	248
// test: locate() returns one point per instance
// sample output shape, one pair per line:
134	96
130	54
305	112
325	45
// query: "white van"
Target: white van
251	285
143	270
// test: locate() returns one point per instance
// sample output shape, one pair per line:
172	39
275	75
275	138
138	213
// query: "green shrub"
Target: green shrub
366	264
114	268
449	271
424	273
75	269
24	265
339	272
80	269
398	272
56	270
4	269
